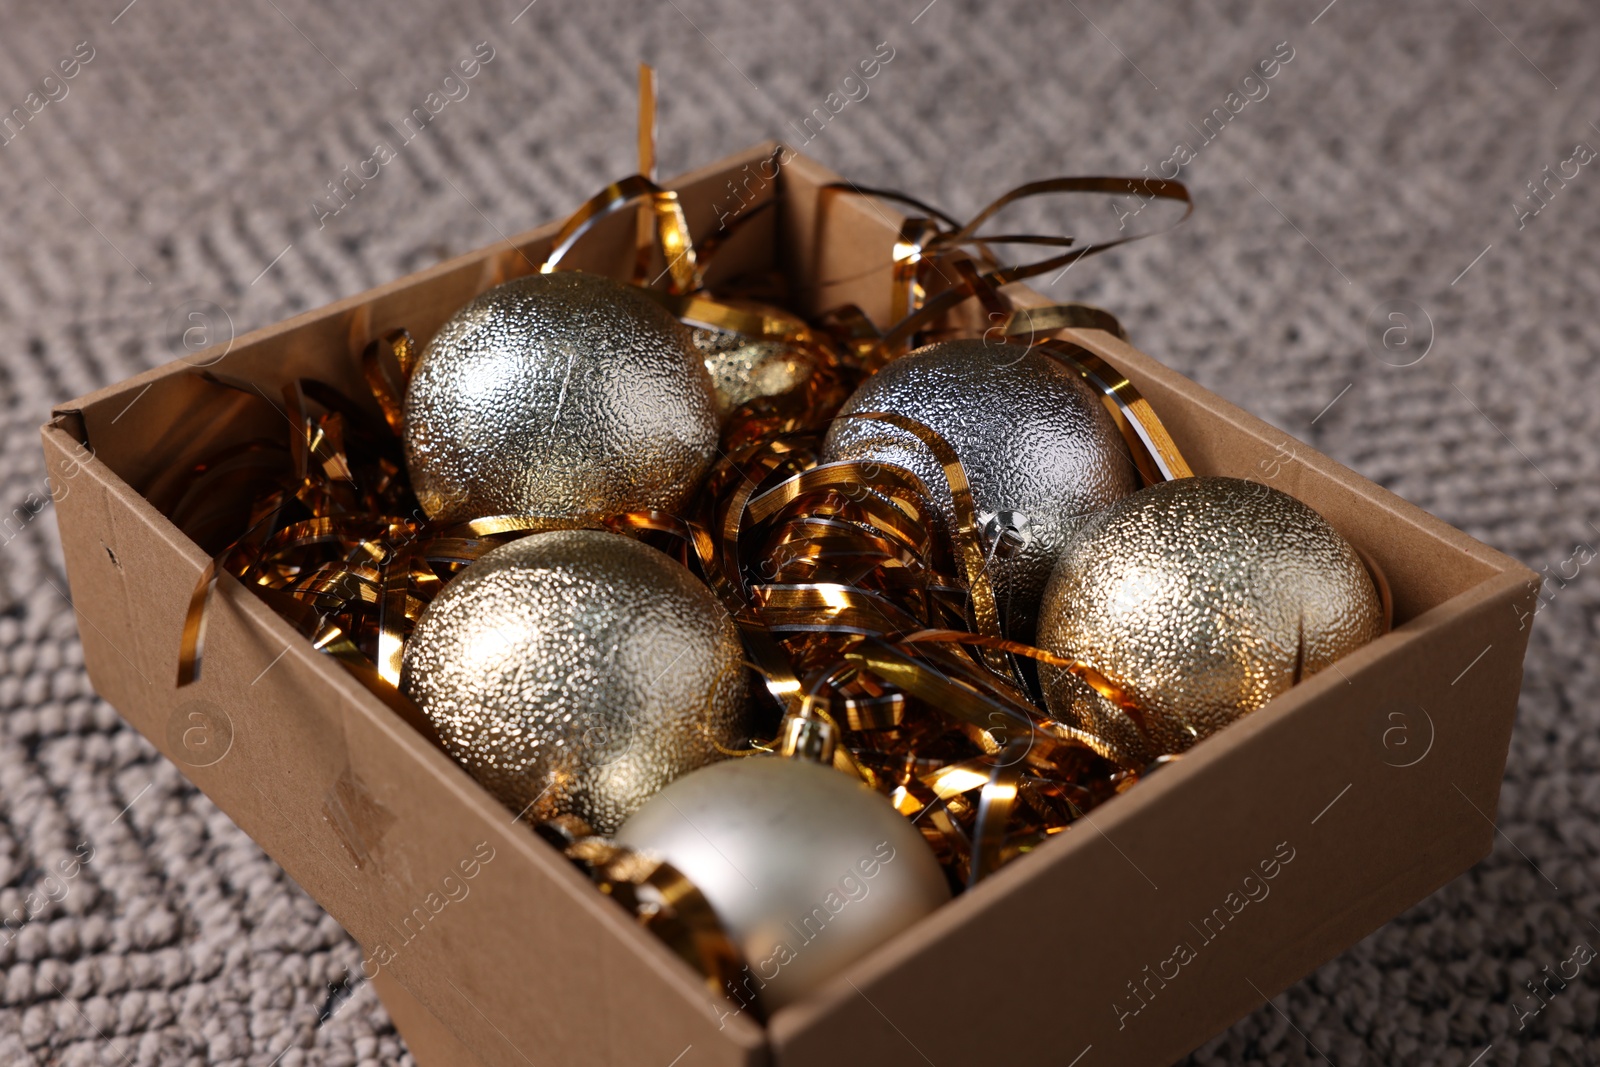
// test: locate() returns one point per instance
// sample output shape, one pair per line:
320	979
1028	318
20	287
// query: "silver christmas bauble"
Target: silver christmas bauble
1199	600
1039	449
578	672
558	397
807	868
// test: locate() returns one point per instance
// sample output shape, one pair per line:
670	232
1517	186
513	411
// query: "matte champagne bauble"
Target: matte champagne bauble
1039	449
578	672
558	397
806	867
1199	600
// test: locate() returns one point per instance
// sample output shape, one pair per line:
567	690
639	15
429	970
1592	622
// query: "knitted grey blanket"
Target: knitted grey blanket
158	153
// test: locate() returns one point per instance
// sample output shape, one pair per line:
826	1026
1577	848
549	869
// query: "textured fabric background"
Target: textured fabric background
183	165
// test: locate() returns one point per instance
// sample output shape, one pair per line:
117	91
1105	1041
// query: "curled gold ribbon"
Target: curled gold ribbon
929	241
1152	447
853	605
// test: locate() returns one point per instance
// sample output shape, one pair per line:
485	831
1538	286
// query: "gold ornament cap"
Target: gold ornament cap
805	735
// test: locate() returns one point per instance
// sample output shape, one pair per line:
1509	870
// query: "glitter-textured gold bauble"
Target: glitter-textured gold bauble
744	369
1038	447
558	396
807	868
1199	599
578	671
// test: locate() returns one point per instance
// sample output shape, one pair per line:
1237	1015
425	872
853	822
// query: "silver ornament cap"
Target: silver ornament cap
1199	600
1039	449
578	672
807	868
561	397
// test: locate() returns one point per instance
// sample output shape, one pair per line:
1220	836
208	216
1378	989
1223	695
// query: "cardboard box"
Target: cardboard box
1360	791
